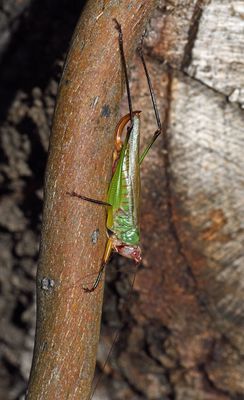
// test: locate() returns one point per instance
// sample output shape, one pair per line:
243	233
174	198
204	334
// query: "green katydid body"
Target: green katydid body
124	196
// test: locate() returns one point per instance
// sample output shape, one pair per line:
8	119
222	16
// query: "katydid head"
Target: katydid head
132	252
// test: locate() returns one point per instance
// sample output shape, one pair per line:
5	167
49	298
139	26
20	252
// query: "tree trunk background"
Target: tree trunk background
183	327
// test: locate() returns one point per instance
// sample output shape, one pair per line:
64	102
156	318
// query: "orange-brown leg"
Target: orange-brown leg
107	254
118	137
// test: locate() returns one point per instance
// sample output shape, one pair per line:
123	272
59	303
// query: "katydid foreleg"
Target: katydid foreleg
89	199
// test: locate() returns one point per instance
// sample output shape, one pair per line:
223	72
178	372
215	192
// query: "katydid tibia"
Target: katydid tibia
123	198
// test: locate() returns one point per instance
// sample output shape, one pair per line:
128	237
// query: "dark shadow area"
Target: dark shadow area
42	37
34	39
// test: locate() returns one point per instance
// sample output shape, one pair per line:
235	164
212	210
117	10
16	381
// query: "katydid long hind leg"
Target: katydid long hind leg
107	253
122	55
118	137
98	279
154	103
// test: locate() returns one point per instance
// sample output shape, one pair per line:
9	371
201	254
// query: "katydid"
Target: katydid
123	198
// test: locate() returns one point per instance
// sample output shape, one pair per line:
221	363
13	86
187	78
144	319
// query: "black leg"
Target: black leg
122	54
153	97
96	283
154	103
102	203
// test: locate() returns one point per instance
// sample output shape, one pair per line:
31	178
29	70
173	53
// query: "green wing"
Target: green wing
124	190
115	190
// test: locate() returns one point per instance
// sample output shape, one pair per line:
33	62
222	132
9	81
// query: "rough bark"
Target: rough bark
80	155
183	333
187	341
